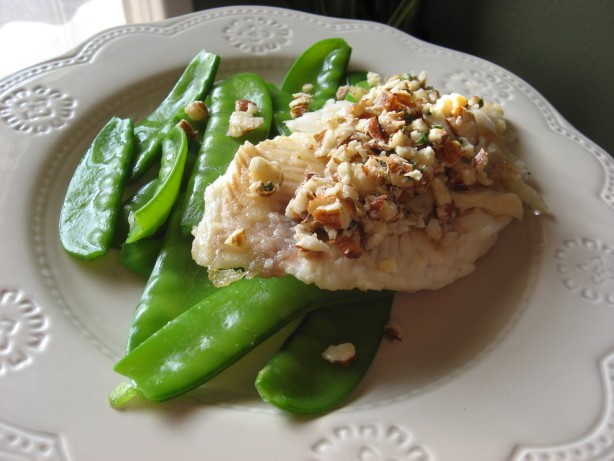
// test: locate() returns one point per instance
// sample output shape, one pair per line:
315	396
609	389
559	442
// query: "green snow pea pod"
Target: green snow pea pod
193	85
130	205
140	198
322	65
193	149
355	77
356	91
217	331
176	283
281	109
218	148
298	379
93	199
148	218
141	256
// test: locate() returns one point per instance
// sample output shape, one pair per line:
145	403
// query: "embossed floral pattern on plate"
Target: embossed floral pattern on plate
23	330
257	35
18	443
586	266
369	442
476	82
36	110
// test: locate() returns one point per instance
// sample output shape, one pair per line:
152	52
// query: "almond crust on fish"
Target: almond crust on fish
403	191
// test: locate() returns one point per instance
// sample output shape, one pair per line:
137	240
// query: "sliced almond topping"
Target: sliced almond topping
452	152
341	354
342	92
335	215
189	130
197	110
243	105
348	246
374	129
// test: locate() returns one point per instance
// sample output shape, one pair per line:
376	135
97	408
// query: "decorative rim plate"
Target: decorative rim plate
514	362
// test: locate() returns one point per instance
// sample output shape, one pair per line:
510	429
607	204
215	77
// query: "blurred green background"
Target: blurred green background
563	48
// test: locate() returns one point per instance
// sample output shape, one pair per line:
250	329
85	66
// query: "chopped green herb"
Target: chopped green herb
267	186
410	76
438	126
481	103
423	140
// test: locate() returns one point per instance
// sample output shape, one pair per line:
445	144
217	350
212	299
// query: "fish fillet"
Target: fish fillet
353	198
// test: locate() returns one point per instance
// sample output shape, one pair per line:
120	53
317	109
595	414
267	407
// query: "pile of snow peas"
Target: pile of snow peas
140	187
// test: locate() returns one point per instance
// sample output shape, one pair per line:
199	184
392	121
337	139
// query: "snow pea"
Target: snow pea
218	149
193	85
356	80
176	283
322	65
352	96
128	207
298	379
148	218
93	199
356	77
141	256
175	349
146	191
217	331
281	109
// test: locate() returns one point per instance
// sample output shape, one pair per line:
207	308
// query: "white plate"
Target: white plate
514	362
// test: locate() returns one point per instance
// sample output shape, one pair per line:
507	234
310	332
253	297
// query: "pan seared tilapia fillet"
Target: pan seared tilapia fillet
366	196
